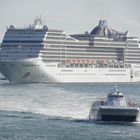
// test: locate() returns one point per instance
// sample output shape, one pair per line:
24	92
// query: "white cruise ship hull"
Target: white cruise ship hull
27	71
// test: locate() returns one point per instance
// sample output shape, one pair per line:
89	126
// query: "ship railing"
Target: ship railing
99	102
75	65
90	65
131	104
127	65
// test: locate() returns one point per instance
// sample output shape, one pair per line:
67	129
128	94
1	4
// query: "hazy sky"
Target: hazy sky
72	16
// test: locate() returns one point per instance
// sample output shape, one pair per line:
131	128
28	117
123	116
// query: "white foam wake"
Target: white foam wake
44	99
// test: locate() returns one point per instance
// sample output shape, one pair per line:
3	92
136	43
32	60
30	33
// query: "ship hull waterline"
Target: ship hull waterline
40	72
118	114
115	114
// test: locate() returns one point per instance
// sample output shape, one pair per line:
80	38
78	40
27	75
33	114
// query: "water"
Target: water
60	112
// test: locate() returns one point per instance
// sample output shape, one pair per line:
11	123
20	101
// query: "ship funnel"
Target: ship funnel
103	23
100	29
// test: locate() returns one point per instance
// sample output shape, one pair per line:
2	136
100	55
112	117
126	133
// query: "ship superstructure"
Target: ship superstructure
39	54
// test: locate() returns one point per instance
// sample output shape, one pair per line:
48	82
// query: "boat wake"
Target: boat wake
32	116
62	102
49	100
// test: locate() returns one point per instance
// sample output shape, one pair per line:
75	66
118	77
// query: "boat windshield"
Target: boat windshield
116	101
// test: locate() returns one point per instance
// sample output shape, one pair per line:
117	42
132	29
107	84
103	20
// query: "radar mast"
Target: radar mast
38	23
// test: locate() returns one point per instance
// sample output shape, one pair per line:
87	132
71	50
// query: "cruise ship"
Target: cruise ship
39	54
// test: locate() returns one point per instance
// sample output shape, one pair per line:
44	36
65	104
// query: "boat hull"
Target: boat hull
120	118
126	114
34	71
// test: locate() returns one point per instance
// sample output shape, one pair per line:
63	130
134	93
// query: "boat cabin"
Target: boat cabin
116	98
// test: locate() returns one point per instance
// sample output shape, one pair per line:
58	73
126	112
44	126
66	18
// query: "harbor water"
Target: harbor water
60	112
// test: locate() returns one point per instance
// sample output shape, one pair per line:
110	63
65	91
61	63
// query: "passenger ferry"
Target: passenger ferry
114	108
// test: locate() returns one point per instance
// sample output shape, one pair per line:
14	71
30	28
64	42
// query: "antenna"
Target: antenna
38	22
115	87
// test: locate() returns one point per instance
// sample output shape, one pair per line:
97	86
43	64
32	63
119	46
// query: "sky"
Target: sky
72	16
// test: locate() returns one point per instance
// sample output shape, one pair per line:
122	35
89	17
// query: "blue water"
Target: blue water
60	112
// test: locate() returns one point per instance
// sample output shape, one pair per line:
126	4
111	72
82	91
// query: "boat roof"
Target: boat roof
119	94
115	93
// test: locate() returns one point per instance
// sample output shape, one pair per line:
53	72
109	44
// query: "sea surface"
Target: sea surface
60	112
